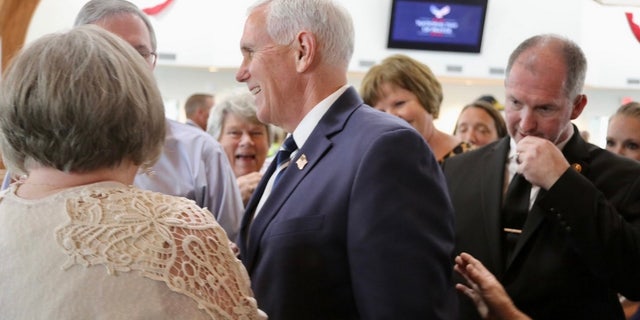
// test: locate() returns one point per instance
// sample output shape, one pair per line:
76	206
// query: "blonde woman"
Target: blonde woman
406	88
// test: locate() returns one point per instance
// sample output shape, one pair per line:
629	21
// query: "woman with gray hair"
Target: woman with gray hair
246	140
79	114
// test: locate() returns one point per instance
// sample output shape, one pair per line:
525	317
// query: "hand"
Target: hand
489	296
540	161
248	184
234	248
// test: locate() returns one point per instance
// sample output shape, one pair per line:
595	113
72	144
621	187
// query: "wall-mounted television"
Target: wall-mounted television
441	25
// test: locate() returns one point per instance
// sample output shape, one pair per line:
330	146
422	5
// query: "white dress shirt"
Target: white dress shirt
302	133
512	167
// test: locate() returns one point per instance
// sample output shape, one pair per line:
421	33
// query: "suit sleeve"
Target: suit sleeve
401	232
605	235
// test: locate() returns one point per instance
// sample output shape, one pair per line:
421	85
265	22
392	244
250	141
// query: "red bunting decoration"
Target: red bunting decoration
158	8
634	27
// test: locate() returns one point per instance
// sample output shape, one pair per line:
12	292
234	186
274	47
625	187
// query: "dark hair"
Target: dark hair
498	120
488	98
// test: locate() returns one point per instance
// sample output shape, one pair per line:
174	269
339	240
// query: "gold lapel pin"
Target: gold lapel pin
301	162
577	167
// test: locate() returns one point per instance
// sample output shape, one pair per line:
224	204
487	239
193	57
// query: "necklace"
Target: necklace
30	190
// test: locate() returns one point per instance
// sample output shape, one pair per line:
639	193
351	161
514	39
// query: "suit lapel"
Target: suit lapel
492	184
576	152
280	193
249	211
316	146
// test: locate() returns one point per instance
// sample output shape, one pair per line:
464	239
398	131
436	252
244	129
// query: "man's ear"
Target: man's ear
578	105
305	50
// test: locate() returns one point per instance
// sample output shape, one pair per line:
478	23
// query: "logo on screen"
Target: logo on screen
455	25
439	13
437	26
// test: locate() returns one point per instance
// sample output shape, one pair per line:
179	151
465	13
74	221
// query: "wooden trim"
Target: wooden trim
15	17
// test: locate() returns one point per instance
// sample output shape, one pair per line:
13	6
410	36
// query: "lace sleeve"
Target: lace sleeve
165	238
207	270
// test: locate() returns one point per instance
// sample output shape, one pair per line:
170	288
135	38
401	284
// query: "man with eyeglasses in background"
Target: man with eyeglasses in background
193	164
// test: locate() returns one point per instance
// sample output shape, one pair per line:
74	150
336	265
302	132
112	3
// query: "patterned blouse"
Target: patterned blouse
460	148
107	250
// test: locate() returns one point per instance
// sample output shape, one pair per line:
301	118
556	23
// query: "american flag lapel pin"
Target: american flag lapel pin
301	162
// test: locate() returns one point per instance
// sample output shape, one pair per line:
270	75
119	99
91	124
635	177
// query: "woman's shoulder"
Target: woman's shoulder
459	148
124	200
165	238
107	213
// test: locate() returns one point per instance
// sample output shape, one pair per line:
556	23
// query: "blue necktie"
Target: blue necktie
284	157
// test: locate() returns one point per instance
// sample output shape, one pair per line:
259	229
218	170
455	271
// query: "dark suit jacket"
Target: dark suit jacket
363	230
580	244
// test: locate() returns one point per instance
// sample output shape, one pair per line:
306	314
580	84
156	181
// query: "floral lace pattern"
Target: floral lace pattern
165	238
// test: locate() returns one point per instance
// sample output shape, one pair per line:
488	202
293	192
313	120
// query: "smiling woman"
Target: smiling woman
407	88
233	122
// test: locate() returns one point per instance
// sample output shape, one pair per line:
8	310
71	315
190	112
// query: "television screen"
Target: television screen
445	25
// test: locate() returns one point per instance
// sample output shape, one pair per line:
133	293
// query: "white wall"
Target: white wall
206	33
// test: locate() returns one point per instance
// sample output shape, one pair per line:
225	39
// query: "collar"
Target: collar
311	119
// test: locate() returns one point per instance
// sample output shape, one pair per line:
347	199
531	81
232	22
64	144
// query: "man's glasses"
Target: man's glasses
151	57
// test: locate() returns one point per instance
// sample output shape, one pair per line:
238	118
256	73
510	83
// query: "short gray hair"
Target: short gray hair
96	10
328	21
79	101
570	53
238	102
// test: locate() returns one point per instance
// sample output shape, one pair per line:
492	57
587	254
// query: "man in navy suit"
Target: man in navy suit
579	244
359	225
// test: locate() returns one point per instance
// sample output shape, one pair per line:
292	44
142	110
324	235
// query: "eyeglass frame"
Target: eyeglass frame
151	57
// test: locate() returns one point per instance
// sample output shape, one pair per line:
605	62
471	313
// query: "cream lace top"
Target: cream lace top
110	251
